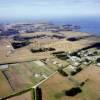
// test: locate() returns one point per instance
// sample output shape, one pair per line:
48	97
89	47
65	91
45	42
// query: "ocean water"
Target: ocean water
89	25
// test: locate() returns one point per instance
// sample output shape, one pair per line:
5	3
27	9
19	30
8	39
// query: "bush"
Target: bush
62	72
38	93
59	52
73	91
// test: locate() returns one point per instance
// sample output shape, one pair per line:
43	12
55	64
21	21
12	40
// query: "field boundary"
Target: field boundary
33	89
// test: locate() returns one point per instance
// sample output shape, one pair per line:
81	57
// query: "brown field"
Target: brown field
5	88
18	56
92	87
53	89
17	78
24	96
24	54
65	45
90	72
36	33
3	47
21	55
74	34
42	42
65	33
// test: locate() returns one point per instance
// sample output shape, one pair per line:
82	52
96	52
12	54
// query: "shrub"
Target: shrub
62	72
73	91
38	93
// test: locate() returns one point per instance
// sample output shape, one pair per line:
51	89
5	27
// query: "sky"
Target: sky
15	9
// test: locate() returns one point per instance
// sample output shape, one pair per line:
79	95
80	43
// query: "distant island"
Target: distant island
12	29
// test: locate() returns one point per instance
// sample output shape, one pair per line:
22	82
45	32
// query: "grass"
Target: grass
59	95
33	94
87	94
40	69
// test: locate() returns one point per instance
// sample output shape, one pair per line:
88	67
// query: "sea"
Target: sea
87	24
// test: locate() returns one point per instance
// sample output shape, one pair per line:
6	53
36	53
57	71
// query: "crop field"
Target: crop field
4	47
36	33
5	88
21	76
91	89
25	75
65	45
25	54
22	55
68	46
53	89
25	96
43	42
16	56
65	33
74	34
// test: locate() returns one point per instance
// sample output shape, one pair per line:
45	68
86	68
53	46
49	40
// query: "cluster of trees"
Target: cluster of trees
60	70
34	50
73	91
61	55
20	44
38	93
